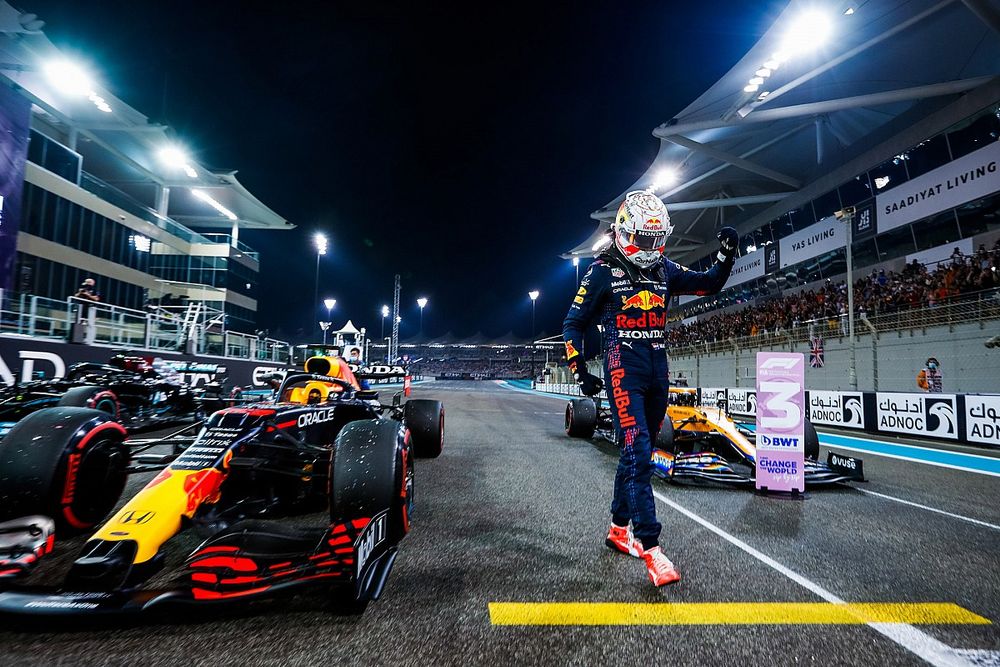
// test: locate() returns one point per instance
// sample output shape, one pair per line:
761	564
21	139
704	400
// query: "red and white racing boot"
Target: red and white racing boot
661	570
620	538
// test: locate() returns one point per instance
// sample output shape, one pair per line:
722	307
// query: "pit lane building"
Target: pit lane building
888	106
110	195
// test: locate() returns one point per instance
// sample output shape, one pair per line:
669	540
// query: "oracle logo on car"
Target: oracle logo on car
315	417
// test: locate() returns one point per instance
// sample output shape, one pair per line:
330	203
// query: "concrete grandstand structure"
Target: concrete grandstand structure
110	195
863	110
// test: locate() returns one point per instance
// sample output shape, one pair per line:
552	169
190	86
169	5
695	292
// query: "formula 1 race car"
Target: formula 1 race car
127	388
344	454
705	443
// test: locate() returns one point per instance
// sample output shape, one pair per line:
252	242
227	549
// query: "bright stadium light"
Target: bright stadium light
211	201
809	31
329	303
385	311
321	243
750	88
664	178
763	72
533	294
576	261
175	158
68	77
756	81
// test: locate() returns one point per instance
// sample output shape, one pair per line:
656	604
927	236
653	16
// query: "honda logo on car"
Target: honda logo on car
315	417
372	536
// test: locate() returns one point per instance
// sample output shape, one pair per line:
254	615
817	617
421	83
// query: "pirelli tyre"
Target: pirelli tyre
98	398
371	483
581	418
810	441
67	463
425	420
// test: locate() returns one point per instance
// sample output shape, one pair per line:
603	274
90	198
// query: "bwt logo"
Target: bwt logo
779	441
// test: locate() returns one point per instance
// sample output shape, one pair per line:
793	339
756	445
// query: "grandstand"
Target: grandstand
95	190
849	114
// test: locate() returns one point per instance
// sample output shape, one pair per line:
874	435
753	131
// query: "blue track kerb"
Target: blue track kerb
959	460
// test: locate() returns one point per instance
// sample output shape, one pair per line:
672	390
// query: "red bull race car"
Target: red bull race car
703	443
324	446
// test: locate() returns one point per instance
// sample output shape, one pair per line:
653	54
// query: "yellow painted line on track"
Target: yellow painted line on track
731	613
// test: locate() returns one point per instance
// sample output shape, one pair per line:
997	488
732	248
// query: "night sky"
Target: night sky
461	145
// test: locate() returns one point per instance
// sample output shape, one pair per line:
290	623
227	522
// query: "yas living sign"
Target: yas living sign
965	179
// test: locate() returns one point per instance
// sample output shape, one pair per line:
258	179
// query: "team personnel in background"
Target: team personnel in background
88	291
627	290
929	378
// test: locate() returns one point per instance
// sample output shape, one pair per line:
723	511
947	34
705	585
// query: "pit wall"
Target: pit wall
972	419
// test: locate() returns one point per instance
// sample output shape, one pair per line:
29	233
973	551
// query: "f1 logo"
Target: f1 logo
780	362
136	518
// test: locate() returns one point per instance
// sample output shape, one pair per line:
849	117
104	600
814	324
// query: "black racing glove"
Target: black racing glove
589	383
729	242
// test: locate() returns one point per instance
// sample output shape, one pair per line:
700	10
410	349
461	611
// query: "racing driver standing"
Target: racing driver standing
627	290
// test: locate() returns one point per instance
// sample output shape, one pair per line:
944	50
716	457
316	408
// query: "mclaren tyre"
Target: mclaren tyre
581	418
811	441
425	421
371	498
66	463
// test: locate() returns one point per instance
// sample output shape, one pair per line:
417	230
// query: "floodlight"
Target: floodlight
810	30
881	182
385	311
576	261
665	177
68	77
422	302
321	243
211	201
750	88
533	294
329	303
756	81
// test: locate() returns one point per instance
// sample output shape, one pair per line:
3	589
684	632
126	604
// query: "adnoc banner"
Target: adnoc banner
826	235
970	177
982	419
781	421
15	120
934	415
837	408
746	268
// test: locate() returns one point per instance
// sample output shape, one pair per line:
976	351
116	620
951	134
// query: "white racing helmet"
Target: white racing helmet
642	227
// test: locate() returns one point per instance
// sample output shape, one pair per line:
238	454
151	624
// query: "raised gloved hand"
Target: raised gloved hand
729	242
589	383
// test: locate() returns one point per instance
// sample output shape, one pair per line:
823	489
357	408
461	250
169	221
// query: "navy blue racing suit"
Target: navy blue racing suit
631	305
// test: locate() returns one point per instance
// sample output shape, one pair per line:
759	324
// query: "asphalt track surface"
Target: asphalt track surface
514	511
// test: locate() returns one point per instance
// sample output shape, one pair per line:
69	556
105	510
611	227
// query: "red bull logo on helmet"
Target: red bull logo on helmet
644	300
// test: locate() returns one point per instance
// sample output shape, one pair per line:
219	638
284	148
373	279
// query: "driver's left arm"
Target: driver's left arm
683	280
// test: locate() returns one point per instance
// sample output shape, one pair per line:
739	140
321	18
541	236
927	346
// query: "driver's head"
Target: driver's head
314	396
641	228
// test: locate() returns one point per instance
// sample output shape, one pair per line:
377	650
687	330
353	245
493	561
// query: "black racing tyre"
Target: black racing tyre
98	398
372	472
425	420
811	441
581	418
665	438
66	463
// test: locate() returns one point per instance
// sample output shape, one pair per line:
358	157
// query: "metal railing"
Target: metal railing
171	329
975	307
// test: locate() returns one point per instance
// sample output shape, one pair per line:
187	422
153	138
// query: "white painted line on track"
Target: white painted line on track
916	641
928	508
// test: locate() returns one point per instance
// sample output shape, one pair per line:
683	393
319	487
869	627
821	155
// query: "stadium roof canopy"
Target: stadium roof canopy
890	74
118	144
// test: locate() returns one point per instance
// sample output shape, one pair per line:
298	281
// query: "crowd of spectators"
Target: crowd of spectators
880	292
487	369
